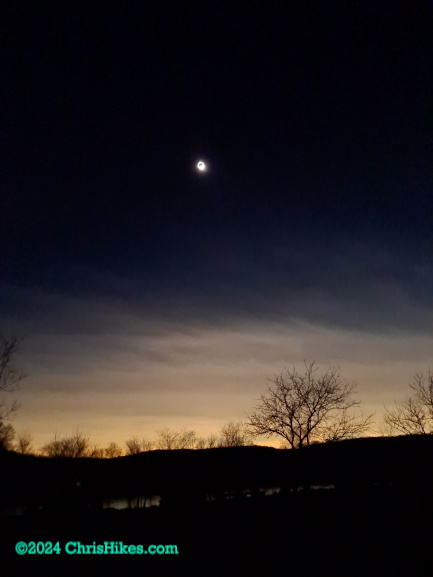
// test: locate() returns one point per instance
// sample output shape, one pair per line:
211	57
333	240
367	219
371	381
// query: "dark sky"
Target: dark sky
315	120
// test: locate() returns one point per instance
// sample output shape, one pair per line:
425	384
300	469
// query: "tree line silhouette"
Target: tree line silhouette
301	408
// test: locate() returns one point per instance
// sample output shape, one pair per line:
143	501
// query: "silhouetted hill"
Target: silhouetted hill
372	523
403	459
192	474
164	473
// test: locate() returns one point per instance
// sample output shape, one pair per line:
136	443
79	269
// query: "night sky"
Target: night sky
148	294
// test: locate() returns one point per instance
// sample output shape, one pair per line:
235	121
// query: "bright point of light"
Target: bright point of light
201	165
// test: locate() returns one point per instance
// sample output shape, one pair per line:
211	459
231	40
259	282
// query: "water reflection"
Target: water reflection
146	501
135	503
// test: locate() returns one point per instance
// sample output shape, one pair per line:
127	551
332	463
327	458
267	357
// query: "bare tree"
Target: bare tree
209	442
347	426
77	446
147	444
200	443
187	439
23	444
10	376
133	446
95	452
307	408
169	440
113	450
80	446
414	415
235	434
212	441
7	435
53	448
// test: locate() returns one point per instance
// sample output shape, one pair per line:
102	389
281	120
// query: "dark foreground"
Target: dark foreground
328	532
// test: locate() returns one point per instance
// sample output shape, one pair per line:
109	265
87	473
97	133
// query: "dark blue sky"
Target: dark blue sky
315	119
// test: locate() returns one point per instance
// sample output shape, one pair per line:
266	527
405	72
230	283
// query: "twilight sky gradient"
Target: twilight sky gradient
151	295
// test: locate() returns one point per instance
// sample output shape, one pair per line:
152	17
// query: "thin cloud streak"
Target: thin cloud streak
375	290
